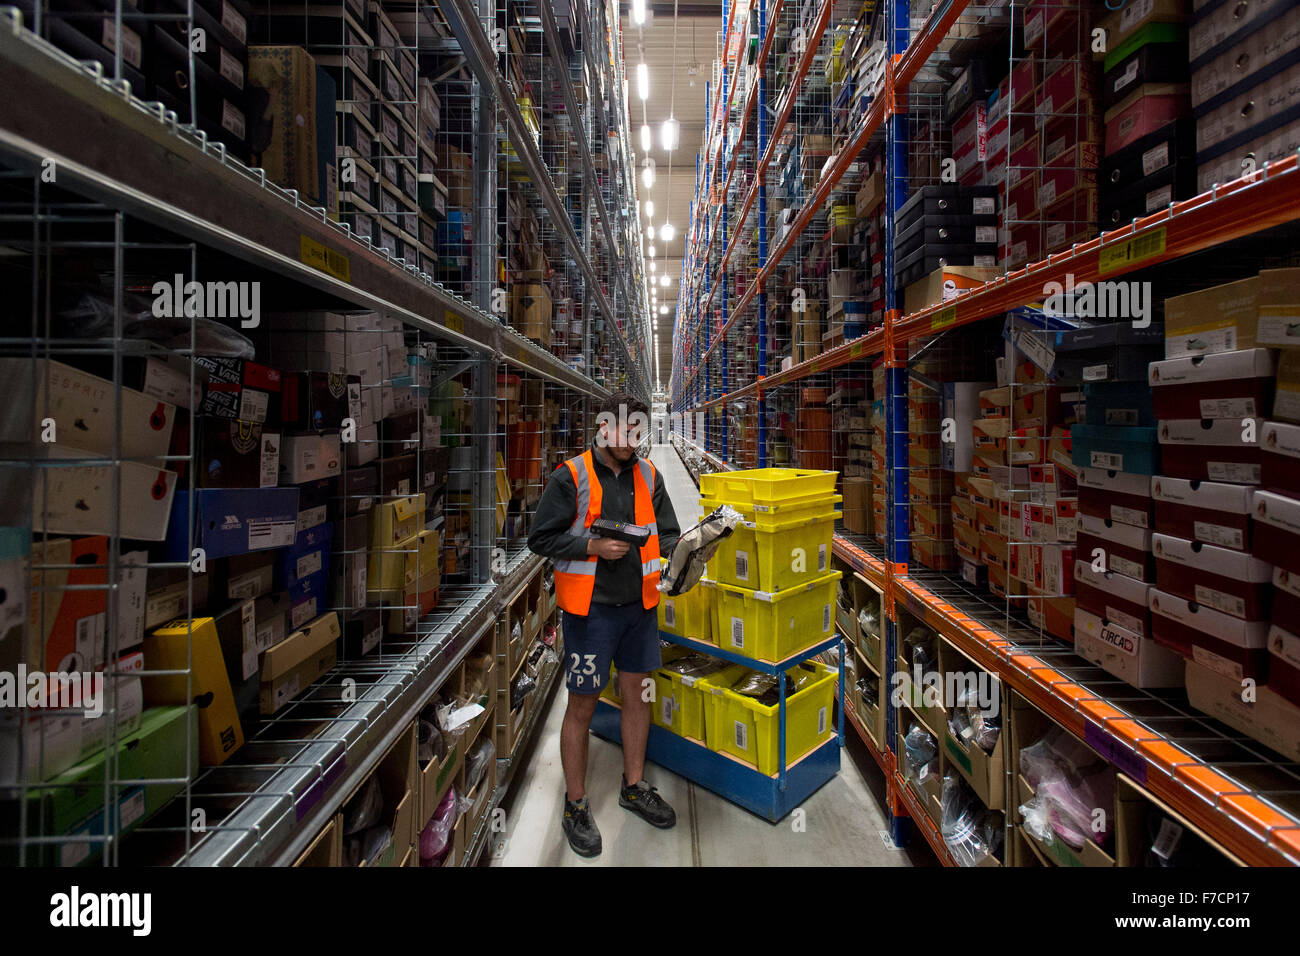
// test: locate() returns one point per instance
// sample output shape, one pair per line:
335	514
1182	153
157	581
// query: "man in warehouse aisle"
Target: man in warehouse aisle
607	590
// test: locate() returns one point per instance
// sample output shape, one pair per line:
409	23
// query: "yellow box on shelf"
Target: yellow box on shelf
782	555
688	615
679	704
396	520
772	625
750	731
393	571
766	486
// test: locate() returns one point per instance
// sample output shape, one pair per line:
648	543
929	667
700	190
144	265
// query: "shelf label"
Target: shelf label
455	322
857	349
319	256
1110	749
943	319
1133	251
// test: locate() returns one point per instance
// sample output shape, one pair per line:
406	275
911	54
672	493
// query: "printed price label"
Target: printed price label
1220	601
1155	158
1235	472
1106	459
1228	408
321	257
1124	254
1218	534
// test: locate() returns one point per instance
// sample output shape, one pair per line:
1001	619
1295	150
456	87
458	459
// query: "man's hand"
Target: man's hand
607	548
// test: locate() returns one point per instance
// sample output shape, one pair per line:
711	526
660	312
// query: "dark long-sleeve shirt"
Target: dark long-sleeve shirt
617	582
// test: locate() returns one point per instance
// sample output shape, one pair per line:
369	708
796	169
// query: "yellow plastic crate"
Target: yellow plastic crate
679	704
772	625
791	553
766	486
769	517
749	731
688	615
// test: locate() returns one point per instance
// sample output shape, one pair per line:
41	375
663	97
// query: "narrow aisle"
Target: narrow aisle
842	826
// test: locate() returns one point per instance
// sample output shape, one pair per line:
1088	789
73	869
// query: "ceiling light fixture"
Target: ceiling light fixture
650	232
667	231
643	81
651	252
650	208
646	138
669	136
663	279
648	176
653	265
663	310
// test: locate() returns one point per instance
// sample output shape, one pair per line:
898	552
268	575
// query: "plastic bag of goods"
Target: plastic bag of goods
694	549
969	829
1071	783
435	838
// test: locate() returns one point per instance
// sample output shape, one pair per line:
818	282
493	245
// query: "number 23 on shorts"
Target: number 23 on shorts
576	667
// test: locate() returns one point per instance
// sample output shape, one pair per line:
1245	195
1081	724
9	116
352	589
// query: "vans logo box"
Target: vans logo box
208	300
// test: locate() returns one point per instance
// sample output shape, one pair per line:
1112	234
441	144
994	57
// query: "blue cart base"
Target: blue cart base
742	785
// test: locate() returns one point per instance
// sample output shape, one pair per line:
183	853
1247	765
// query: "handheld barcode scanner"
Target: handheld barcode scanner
621	531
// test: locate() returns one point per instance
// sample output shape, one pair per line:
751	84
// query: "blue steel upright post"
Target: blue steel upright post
762	246
897	510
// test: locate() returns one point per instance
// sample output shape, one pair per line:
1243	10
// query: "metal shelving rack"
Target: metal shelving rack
1144	734
142	164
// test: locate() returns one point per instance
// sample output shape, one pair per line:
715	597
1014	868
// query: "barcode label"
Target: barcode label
269	533
371	640
253	405
1233	471
1167	840
308	564
670	613
737	632
311	517
233	21
1221	601
666	710
90	636
826	617
232	69
1218	534
1105	459
983	206
821	721
1155	159
1122	416
821	557
742	565
302	613
233	120
741	734
249	627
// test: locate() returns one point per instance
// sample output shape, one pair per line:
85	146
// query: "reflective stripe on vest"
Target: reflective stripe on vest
575	579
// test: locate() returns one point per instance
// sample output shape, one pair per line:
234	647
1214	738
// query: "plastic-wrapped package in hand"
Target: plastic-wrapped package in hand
970	723
1071	783
919	752
965	824
363	809
694	549
476	764
435	838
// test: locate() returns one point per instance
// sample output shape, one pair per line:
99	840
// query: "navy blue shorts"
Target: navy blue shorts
627	635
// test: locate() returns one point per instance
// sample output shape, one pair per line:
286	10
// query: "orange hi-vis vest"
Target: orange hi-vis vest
575	581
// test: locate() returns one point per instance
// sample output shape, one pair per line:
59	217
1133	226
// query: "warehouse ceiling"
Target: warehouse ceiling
674	91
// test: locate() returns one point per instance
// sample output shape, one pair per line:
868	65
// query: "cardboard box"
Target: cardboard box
288	74
530	311
1280	458
1115	496
319	400
1138	660
233	454
1223	318
78	499
193	645
1123	548
1232	582
944	284
298	661
1218	453
1279	308
1277	530
232	521
1112	597
1224	385
1270	719
1229	645
236	388
309	457
83	407
394	570
1210	512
